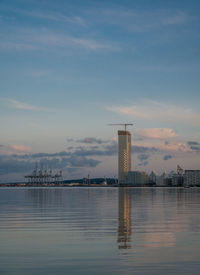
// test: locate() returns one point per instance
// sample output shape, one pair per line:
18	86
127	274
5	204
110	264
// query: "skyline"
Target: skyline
69	69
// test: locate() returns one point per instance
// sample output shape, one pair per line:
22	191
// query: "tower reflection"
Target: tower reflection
124	218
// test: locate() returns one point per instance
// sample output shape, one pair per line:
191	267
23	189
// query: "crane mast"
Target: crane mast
122	124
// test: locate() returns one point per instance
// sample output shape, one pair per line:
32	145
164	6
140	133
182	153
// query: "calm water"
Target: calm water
99	231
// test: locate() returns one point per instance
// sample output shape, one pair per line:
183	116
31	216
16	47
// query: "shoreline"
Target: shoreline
21	185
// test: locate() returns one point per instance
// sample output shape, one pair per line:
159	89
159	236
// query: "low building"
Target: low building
177	180
162	180
137	178
191	178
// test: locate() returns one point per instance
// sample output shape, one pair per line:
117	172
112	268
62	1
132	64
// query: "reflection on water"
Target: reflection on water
124	218
44	197
155	216
100	231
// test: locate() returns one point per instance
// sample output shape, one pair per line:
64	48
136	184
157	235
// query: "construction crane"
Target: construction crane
124	124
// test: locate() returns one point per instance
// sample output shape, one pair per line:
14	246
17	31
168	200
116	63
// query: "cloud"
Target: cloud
10	45
17	156
15	104
81	161
42	39
91	151
144	149
91	140
195	148
166	157
156	133
10	164
106	150
159	112
20	148
70	162
17	159
87	155
143	163
14	149
177	146
142	157
159	148
53	16
143	20
193	143
176	19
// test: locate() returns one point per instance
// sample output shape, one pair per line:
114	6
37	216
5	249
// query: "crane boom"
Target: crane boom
124	124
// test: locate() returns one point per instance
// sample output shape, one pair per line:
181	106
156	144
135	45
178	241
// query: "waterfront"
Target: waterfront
99	230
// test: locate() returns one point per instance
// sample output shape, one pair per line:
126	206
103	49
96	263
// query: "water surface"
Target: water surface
99	230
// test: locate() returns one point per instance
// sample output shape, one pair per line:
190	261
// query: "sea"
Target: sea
99	230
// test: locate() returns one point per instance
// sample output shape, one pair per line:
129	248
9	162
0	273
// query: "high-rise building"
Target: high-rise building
124	156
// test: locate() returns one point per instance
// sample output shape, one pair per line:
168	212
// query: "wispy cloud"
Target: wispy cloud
156	133
53	16
63	41
39	73
42	39
176	19
17	45
176	146
15	104
137	20
160	112
48	15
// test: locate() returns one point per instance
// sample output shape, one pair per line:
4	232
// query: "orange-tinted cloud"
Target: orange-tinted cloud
157	133
159	112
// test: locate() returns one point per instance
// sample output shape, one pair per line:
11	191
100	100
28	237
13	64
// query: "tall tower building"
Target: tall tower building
124	155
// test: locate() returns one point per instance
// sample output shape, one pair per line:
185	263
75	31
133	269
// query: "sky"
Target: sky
70	68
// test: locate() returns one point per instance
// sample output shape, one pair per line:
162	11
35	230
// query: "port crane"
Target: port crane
122	124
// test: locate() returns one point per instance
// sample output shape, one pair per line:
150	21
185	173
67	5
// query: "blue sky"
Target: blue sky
69	68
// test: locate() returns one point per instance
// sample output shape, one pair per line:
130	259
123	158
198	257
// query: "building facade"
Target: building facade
124	156
152	178
191	178
177	180
137	178
162	180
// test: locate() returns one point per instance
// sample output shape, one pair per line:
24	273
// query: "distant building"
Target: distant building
191	178
152	178
124	156
137	178
179	170
162	180
177	180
